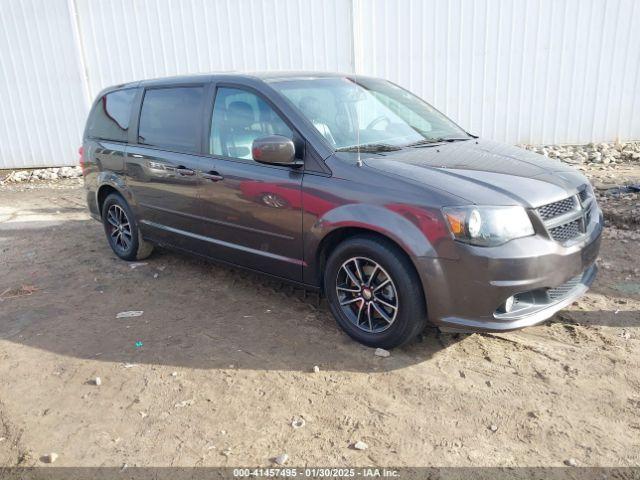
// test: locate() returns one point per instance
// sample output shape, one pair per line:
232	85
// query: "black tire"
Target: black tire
410	313
122	230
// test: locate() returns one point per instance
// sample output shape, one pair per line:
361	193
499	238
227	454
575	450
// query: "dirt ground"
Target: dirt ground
221	362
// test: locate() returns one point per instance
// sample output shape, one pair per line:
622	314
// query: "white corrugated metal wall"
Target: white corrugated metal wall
43	97
520	71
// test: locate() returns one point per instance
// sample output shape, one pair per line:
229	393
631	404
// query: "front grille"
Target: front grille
584	195
567	219
557	293
568	231
555	209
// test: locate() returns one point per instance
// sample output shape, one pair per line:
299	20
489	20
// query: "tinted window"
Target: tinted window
239	117
171	118
110	117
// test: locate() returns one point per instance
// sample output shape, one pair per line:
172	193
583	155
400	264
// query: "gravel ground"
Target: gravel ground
219	369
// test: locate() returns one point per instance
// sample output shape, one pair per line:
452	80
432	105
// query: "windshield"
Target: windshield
368	113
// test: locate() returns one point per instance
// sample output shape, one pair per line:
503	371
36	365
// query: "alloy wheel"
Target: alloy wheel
367	294
119	228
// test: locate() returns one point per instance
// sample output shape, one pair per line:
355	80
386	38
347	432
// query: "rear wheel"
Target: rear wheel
374	292
122	230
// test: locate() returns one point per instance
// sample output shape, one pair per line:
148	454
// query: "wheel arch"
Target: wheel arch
390	226
331	241
110	183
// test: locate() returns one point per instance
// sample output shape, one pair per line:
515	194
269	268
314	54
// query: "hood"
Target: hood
483	172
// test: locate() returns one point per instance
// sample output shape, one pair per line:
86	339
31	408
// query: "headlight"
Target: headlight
487	226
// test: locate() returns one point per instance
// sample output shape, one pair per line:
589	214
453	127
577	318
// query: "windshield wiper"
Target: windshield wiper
430	141
370	148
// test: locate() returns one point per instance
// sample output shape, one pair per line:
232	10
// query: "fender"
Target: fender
112	179
389	220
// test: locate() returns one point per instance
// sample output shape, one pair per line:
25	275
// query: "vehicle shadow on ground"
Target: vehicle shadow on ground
602	318
197	314
621	315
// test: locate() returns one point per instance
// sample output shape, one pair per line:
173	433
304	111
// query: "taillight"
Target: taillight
81	160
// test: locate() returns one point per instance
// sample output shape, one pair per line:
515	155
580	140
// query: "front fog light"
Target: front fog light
508	305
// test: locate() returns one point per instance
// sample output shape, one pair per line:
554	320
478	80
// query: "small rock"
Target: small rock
298	422
359	445
97	381
281	459
129	314
571	462
50	458
174	374
493	428
226	452
489	383
316	369
185	403
381	352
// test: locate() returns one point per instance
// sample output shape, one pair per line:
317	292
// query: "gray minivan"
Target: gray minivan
351	186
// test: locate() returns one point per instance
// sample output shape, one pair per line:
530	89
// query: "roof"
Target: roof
273	76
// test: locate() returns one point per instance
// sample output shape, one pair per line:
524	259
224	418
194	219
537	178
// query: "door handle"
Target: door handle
184	171
212	175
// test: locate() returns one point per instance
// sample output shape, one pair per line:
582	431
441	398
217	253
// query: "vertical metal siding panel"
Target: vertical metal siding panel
631	75
14	149
167	37
538	71
521	71
27	97
41	84
618	64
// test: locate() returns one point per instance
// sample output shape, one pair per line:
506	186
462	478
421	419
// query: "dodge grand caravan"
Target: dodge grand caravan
351	186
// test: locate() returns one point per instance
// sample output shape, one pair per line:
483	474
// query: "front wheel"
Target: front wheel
122	231
374	292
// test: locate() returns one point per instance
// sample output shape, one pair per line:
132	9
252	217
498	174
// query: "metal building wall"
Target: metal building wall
155	38
534	71
43	96
519	71
56	55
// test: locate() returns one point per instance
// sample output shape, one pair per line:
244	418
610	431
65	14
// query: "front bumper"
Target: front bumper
465	295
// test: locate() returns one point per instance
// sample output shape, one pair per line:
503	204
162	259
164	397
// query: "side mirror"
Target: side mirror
275	150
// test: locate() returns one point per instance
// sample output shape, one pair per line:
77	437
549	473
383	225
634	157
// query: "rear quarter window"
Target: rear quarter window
172	118
109	119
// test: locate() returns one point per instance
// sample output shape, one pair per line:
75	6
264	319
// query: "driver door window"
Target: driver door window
240	117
